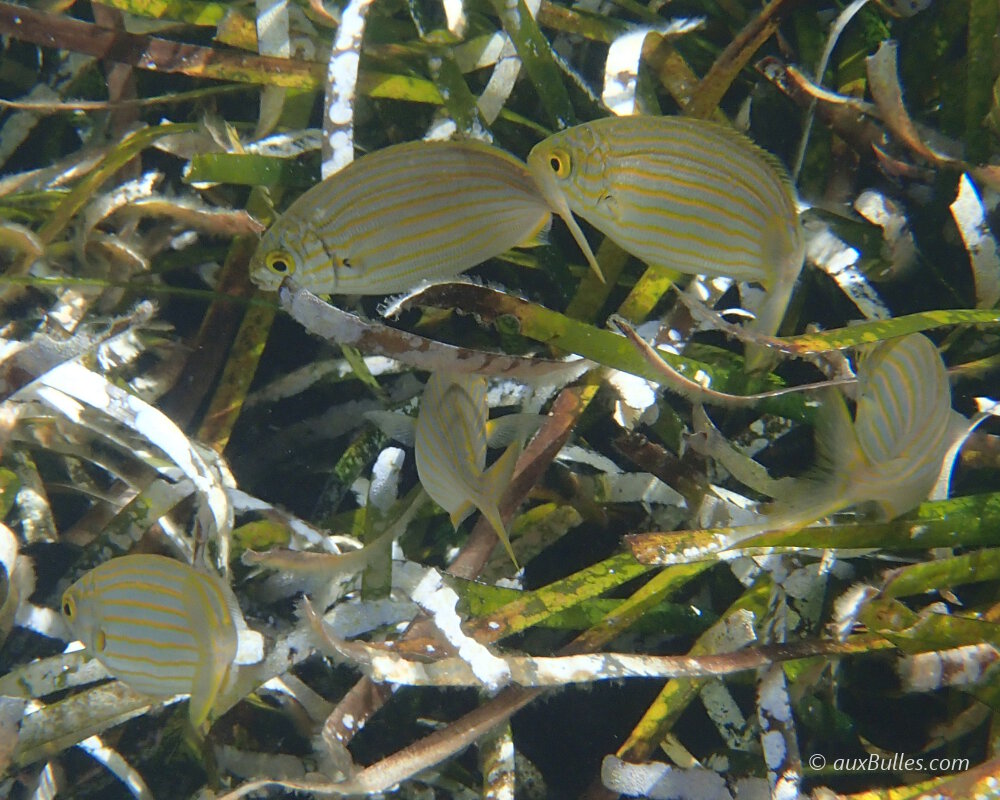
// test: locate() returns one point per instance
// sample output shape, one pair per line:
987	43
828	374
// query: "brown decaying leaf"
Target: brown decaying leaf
738	52
150	52
339	327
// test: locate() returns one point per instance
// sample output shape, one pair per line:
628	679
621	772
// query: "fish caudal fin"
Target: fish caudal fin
492	484
539	236
782	261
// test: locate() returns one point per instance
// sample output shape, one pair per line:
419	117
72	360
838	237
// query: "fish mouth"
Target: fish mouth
556	198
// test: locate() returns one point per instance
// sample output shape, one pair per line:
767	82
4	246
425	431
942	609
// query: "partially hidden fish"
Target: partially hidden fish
890	454
450	447
893	450
401	215
450	437
159	626
685	194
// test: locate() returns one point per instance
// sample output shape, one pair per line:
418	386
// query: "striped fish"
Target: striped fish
159	626
685	194
891	453
450	447
401	215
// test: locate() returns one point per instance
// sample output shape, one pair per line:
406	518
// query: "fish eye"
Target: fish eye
559	163
280	263
69	607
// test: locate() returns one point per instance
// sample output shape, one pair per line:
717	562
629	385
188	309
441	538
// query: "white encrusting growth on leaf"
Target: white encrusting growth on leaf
341	82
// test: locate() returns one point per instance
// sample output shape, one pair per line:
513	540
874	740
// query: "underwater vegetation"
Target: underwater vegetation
452	398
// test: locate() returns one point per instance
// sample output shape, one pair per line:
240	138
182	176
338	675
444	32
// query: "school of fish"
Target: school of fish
683	194
688	195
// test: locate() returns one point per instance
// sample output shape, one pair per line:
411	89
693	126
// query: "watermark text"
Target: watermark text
896	762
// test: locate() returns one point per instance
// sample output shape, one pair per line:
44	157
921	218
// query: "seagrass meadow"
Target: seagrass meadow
499	399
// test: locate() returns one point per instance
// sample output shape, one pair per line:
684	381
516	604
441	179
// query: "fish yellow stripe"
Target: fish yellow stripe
158	625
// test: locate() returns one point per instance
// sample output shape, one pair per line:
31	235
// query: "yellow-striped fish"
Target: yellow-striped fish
891	453
450	447
401	215
159	626
685	194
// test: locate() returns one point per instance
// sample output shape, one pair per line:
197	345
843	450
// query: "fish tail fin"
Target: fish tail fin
540	235
829	485
493	484
782	262
760	358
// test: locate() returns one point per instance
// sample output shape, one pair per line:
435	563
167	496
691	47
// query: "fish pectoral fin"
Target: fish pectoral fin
611	205
503	431
395	425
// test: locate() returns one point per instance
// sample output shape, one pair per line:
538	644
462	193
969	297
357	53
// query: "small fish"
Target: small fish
450	448
159	626
892	452
683	194
407	213
450	437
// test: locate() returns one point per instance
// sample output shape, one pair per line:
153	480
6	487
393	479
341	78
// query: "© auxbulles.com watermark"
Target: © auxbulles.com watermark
896	762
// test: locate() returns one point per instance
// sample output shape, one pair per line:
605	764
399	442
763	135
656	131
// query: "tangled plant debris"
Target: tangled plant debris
738	534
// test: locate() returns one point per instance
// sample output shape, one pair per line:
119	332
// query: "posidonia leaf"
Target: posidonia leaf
602	346
82	193
929	576
679	693
248	169
737	55
961	522
870	332
915	633
483	599
192	12
536	55
533	607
